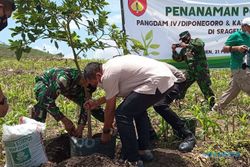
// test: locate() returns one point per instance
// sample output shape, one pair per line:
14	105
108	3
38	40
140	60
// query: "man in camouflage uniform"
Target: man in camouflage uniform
69	83
193	54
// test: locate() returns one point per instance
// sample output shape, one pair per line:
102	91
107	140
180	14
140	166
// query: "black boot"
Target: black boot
189	140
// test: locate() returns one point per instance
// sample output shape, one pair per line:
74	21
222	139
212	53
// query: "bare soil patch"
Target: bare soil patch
58	152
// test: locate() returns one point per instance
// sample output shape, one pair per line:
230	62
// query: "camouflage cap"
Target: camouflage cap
184	34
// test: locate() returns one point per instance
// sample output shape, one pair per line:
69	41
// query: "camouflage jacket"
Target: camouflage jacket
194	56
61	81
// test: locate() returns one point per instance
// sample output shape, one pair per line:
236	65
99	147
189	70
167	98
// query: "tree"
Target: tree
48	19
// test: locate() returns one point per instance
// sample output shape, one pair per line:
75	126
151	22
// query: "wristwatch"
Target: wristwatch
2	102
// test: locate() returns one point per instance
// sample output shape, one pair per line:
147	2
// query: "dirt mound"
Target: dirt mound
58	152
163	158
95	160
169	158
90	161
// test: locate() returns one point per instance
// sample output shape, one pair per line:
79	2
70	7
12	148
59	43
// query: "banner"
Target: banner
158	23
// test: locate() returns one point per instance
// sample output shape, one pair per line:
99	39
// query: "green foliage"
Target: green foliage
48	19
228	132
120	38
214	132
53	20
201	113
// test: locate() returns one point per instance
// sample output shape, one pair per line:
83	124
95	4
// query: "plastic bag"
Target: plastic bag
23	143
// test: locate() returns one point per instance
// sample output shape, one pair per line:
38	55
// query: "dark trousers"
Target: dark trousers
134	107
162	107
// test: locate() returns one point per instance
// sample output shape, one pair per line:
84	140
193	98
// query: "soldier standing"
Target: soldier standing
193	54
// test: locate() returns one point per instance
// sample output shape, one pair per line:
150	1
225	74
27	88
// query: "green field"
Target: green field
215	132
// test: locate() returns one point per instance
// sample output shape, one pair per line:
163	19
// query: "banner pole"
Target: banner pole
123	19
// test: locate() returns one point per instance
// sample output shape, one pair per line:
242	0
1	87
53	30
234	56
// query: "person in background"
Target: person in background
141	85
237	45
193	53
6	9
69	83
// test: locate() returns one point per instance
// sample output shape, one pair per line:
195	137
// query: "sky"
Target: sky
114	17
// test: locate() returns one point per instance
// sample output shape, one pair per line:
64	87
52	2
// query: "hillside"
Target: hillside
6	52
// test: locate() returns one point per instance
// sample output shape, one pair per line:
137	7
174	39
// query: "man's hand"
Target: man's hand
173	47
109	114
183	45
90	104
69	126
243	48
79	131
105	138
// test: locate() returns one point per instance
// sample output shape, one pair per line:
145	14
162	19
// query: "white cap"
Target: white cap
246	21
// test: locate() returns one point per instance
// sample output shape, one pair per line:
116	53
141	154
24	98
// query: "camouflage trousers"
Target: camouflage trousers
204	84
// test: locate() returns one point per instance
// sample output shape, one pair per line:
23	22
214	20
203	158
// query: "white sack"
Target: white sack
23	144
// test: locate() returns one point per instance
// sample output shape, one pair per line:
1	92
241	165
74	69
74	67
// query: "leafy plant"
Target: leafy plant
17	82
201	114
53	20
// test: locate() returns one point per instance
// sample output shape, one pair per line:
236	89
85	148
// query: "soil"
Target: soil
58	148
5	72
58	153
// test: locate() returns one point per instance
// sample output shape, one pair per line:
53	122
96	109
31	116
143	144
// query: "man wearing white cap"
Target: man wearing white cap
238	45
